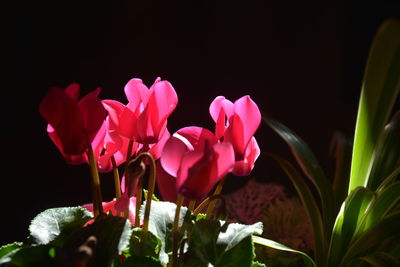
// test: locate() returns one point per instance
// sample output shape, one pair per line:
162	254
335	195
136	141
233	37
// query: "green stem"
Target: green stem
96	190
117	183
128	158
175	233
204	204
201	206
150	192
217	191
139	196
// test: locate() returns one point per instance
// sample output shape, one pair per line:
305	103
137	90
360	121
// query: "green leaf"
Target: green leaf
221	244
379	207
112	234
258	264
153	244
37	256
138	261
153	196
380	258
364	245
386	156
380	88
162	215
49	224
341	148
8	250
349	217
311	207
309	165
390	179
275	245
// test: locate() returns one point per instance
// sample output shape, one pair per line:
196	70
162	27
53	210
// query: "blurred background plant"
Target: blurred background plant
355	220
281	213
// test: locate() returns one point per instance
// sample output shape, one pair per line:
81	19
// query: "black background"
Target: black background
301	61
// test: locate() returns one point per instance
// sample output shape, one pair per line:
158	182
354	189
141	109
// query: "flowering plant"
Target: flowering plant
354	224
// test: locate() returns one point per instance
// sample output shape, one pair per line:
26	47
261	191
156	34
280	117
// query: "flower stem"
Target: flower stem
128	158
117	183
175	233
139	196
96	190
192	204
150	192
128	154
212	204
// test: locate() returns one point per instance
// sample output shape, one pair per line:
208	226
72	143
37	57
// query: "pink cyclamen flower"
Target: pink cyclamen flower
236	123
108	144
197	160
144	118
73	124
110	207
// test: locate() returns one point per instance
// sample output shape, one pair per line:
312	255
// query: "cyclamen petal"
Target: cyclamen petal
157	148
137	93
236	123
245	166
152	121
144	118
235	135
92	111
70	159
111	207
72	91
74	123
166	184
250	115
201	170
220	109
164	98
122	119
196	160
172	155
196	137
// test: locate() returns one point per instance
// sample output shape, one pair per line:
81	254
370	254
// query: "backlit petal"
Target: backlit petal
245	166
249	114
196	136
172	155
221	109
225	159
166	184
93	113
137	93
235	135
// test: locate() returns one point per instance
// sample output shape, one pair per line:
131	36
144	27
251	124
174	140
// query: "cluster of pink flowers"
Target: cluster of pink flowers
189	162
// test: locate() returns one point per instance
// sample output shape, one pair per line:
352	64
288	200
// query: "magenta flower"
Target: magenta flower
73	124
236	123
107	144
110	207
144	118
197	160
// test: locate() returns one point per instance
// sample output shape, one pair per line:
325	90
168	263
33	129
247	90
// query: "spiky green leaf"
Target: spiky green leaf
380	88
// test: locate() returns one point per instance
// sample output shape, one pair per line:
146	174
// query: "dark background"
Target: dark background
301	61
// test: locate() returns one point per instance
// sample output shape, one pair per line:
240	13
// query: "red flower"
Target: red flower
73	124
236	123
144	118
197	160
